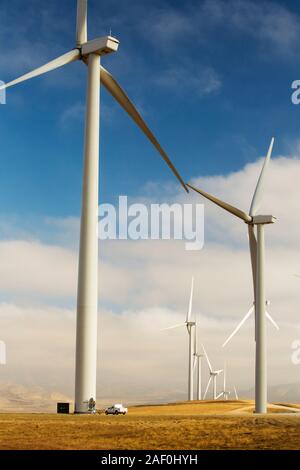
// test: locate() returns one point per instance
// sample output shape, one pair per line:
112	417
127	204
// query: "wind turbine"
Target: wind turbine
189	324
248	314
90	53
198	362
213	374
257	251
224	393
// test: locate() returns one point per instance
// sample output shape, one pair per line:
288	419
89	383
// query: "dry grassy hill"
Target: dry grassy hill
199	425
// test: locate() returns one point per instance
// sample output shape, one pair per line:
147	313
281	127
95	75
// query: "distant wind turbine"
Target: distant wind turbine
224	393
213	374
257	251
89	52
189	324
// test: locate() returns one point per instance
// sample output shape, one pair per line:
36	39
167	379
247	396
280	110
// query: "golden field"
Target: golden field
196	425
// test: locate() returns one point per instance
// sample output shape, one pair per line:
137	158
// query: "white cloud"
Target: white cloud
137	362
188	78
271	24
75	112
146	285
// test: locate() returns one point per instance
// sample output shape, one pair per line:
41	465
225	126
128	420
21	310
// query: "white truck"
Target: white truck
117	409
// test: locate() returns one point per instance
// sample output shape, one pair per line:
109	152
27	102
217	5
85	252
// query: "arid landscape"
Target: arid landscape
197	425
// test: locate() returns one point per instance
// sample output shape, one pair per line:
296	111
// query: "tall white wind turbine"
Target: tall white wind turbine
189	324
213	374
90	53
257	251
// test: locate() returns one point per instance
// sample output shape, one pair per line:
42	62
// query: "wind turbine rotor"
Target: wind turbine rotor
252	309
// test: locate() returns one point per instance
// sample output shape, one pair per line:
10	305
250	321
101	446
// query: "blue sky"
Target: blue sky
211	78
213	81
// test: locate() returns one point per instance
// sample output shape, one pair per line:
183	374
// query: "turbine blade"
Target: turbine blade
54	64
195	339
207	387
256	201
253	251
272	320
174	326
228	207
189	312
239	326
208	362
81	27
195	362
120	96
235	392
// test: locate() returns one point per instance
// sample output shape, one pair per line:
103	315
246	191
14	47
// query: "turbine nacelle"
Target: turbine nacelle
214	373
263	219
101	46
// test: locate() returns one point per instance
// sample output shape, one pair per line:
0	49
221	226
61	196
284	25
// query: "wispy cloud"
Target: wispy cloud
75	113
271	25
72	114
191	79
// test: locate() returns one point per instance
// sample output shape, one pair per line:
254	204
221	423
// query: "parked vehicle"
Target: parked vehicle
117	409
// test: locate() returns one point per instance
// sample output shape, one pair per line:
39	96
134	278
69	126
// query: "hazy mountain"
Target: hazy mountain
286	393
14	397
18	398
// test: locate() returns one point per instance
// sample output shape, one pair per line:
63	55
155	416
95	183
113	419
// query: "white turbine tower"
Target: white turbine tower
213	374
224	393
198	362
90	52
257	251
189	324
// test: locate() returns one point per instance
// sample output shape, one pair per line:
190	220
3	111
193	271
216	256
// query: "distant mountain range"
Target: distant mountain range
287	393
14	397
18	398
